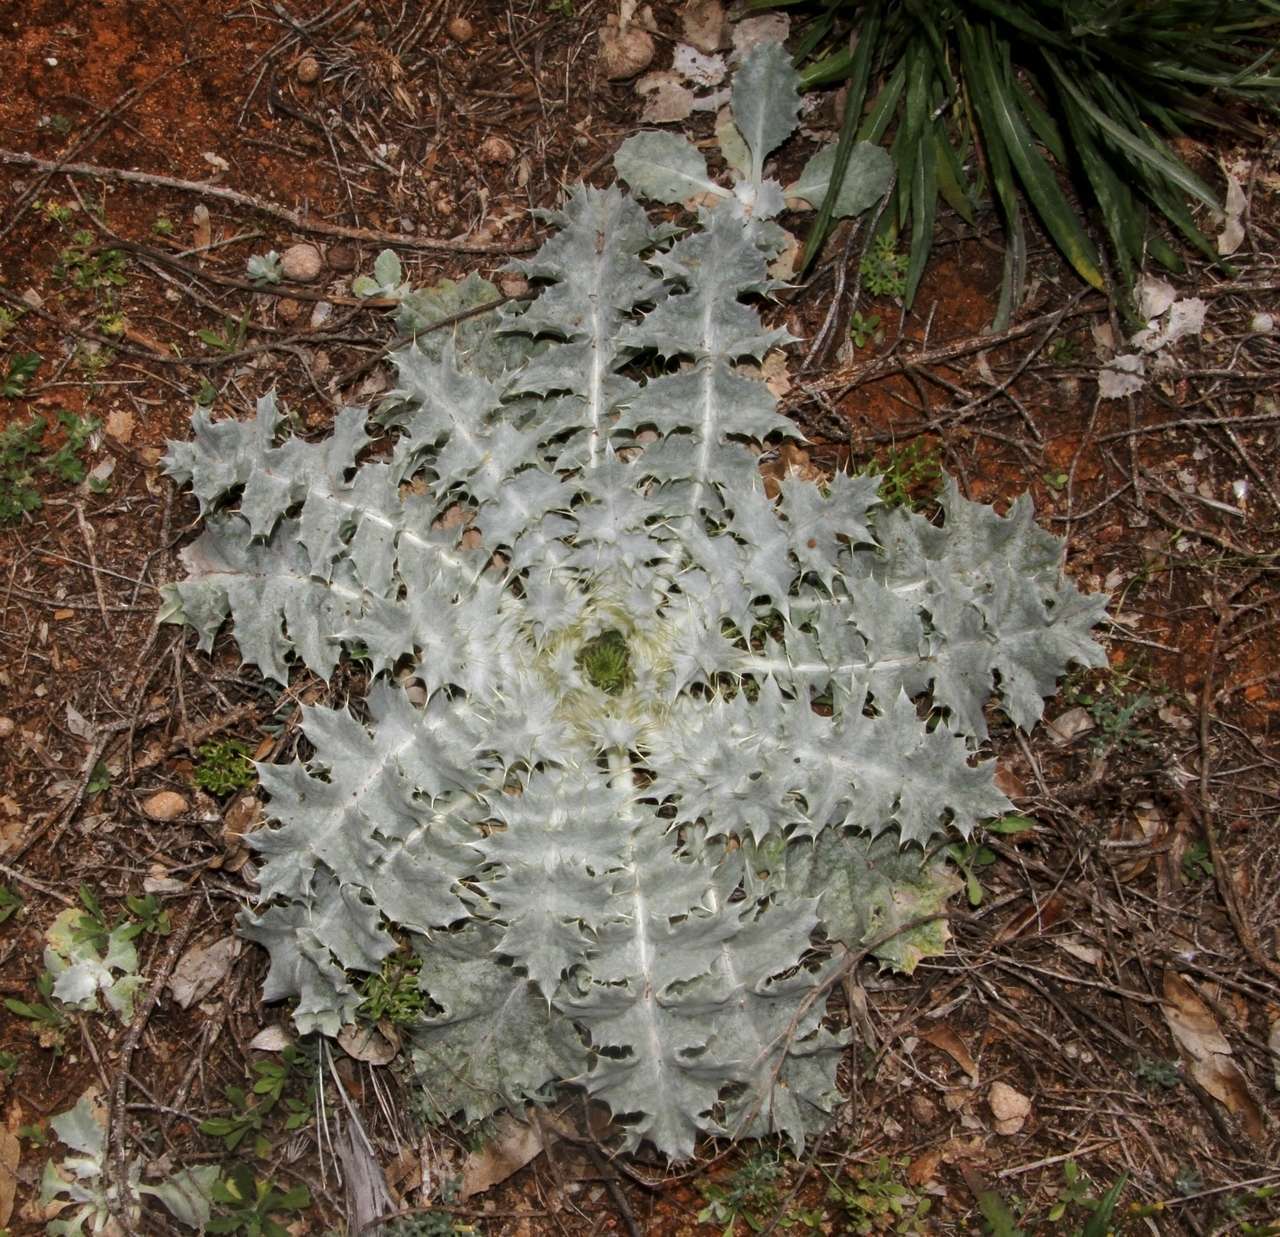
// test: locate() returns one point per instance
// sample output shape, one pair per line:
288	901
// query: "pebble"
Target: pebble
1009	1107
7	727
624	55
164	805
342	258
308	70
514	286
289	309
302	263
461	30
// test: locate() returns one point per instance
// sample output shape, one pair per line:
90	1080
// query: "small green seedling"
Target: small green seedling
863	329
265	268
163	226
910	476
230	339
99	779
884	269
57	212
971	857
10	316
89	269
46	1018
393	993
10	903
20	370
224	767
151	916
746	1197
1196	863
1153	1072
877	1201
247	1204
251	1109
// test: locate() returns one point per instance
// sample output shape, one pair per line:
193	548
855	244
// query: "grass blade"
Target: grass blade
860	75
1033	169
1144	149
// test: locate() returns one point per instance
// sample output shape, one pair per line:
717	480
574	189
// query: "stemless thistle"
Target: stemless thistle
674	746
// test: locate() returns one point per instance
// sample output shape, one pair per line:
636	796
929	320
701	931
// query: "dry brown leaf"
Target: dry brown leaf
120	425
1200	1040
513	1146
946	1040
1273	1043
202	228
667	98
924	1167
10	1154
375	1045
704	24
271	1039
201	969
1232	235
1069	725
164	805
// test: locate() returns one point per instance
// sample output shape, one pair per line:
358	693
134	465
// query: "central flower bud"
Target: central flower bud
606	661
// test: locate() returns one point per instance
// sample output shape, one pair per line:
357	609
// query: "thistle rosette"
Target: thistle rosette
645	750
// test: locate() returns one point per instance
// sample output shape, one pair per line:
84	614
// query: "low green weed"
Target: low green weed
24	459
1196	863
1154	1072
1075	1195
286	1084
247	1204
910	476
1118	705
49	1022
87	268
10	903
10	315
863	329
99	779
875	1200
747	1196
393	993
19	371
972	856
224	767
884	269
230	339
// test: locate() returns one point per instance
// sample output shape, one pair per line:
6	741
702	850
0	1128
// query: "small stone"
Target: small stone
624	55
514	286
495	149
342	258
302	263
289	309
164	805
7	727
461	30
308	70
1009	1107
